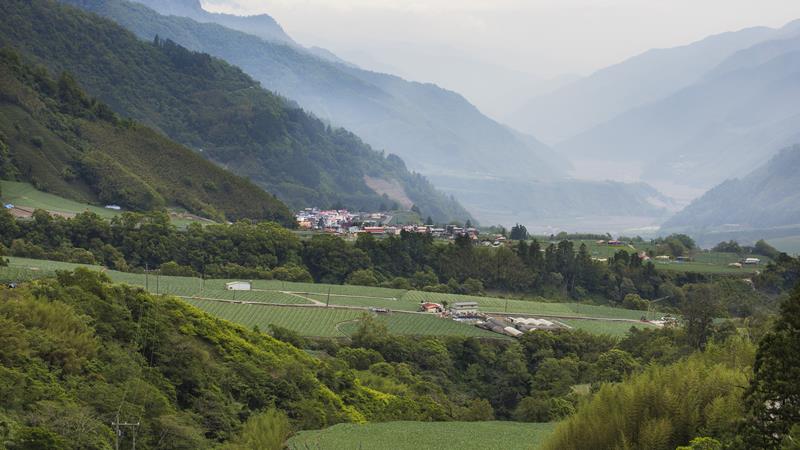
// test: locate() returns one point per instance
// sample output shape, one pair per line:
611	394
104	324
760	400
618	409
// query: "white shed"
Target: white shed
238	286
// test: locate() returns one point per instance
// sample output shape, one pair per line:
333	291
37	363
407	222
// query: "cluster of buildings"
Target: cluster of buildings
344	222
468	312
516	326
324	220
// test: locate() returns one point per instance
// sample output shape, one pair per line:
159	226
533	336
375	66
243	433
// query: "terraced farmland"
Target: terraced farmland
317	322
424	435
324	322
367	302
612	328
424	325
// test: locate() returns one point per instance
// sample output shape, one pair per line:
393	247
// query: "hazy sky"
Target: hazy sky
497	40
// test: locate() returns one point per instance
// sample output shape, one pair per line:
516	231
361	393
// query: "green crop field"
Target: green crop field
402	304
424	325
700	267
618	329
324	322
424	436
24	194
308	321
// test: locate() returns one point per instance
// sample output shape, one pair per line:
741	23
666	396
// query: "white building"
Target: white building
238	286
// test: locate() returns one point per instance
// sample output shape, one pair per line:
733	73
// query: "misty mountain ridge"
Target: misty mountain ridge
765	203
650	76
722	126
437	132
431	128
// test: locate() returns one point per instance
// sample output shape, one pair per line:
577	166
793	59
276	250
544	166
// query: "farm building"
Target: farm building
374	230
431	307
238	286
751	261
529	323
464	308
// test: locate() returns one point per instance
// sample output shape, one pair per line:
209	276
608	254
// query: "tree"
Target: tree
519	233
268	431
728	247
699	309
363	277
773	399
468	224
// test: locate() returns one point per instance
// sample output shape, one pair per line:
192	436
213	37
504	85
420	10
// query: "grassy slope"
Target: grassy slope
25	195
425	435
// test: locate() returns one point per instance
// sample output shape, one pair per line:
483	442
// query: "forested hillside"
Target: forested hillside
79	353
216	109
55	136
765	202
432	129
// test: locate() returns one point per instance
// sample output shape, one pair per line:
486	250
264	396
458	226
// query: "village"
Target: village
350	224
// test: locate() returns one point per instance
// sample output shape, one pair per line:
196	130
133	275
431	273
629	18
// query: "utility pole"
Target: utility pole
328	302
118	432
146	281
652	307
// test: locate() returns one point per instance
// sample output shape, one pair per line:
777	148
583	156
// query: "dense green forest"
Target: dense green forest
63	141
214	108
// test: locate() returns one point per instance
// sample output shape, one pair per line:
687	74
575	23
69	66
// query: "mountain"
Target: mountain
261	25
650	76
721	126
765	203
214	108
55	136
434	130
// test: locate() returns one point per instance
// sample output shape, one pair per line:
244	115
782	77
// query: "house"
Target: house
431	307
682	259
615	243
736	265
114	207
662	258
238	286
751	261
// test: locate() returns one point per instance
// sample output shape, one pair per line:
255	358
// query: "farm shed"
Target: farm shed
238	286
464	307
